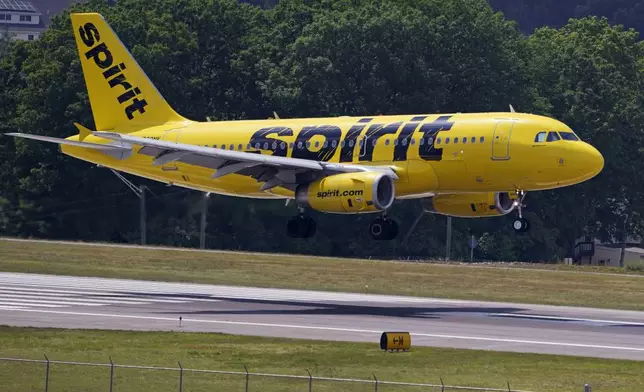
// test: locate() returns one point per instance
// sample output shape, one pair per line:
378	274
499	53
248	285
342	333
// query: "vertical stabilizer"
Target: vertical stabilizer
121	95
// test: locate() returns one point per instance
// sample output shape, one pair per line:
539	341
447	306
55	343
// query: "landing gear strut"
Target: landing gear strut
520	225
383	228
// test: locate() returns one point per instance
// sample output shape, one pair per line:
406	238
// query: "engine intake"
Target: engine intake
348	193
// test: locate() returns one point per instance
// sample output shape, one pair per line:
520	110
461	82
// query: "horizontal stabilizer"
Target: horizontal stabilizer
96	146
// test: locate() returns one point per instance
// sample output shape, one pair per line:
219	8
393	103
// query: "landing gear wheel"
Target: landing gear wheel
521	225
301	227
383	229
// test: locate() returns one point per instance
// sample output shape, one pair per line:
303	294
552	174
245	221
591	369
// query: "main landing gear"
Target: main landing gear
302	226
383	228
520	225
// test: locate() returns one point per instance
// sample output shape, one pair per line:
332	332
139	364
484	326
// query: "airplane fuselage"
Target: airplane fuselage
479	152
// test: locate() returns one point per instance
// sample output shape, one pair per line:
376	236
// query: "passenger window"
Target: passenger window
482	139
232	146
299	145
334	144
326	144
553	136
540	138
446	140
473	139
265	146
395	142
386	142
256	146
438	141
464	140
455	140
291	144
248	146
239	147
421	141
282	145
430	140
413	142
569	136
404	142
308	144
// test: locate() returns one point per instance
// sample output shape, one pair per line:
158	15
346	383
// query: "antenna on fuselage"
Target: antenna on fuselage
512	109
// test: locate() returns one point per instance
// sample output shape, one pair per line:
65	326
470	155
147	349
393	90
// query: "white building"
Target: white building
594	252
20	19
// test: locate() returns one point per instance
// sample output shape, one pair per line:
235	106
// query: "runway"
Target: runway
79	302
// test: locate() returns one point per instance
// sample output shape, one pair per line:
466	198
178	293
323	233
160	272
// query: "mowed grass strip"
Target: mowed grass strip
518	285
286	356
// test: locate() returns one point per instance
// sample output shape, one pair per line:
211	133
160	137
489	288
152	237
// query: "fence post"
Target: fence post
587	388
442	385
180	376
374	377
246	377
509	390
310	380
47	374
111	374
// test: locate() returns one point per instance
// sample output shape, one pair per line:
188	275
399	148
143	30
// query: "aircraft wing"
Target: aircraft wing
96	146
272	170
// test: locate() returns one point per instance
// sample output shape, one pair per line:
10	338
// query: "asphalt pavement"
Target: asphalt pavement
80	302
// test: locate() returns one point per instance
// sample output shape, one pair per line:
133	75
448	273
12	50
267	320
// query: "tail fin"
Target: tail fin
121	95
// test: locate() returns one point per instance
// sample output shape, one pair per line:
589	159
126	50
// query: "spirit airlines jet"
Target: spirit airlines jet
464	165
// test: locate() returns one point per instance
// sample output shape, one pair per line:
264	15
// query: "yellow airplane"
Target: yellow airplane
467	165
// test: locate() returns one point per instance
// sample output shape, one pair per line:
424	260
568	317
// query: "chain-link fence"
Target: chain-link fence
52	376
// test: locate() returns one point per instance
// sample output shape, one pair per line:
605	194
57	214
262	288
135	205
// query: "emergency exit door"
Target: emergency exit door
501	139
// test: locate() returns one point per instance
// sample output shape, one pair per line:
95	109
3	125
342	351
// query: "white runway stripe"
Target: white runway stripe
70	300
5	303
99	295
46	301
125	286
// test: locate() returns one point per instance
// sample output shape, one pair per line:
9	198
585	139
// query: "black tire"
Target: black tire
301	227
393	229
521	225
379	229
309	227
293	227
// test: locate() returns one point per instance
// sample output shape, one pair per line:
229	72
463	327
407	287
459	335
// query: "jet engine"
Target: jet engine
348	193
472	205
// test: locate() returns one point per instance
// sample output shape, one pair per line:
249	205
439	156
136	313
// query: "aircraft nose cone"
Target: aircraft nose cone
594	161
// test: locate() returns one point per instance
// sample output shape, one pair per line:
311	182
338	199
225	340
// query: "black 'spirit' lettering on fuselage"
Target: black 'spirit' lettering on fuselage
304	149
349	146
260	141
104	59
429	131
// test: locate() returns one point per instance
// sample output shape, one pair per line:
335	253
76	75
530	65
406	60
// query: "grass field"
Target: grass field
549	285
269	355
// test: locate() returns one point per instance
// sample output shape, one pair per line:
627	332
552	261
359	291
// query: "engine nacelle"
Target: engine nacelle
348	193
472	205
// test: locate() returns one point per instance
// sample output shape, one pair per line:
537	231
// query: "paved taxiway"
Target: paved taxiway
78	302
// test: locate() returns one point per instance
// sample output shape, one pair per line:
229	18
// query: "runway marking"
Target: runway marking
559	318
479	338
69	300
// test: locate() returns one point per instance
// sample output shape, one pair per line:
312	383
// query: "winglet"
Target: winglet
83	132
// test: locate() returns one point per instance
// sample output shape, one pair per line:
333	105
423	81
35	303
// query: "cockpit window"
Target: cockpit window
569	136
540	138
553	136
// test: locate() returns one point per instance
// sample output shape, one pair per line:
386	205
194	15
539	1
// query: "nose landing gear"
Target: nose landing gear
520	225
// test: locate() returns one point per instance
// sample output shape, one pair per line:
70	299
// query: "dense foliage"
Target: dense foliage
532	14
228	60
